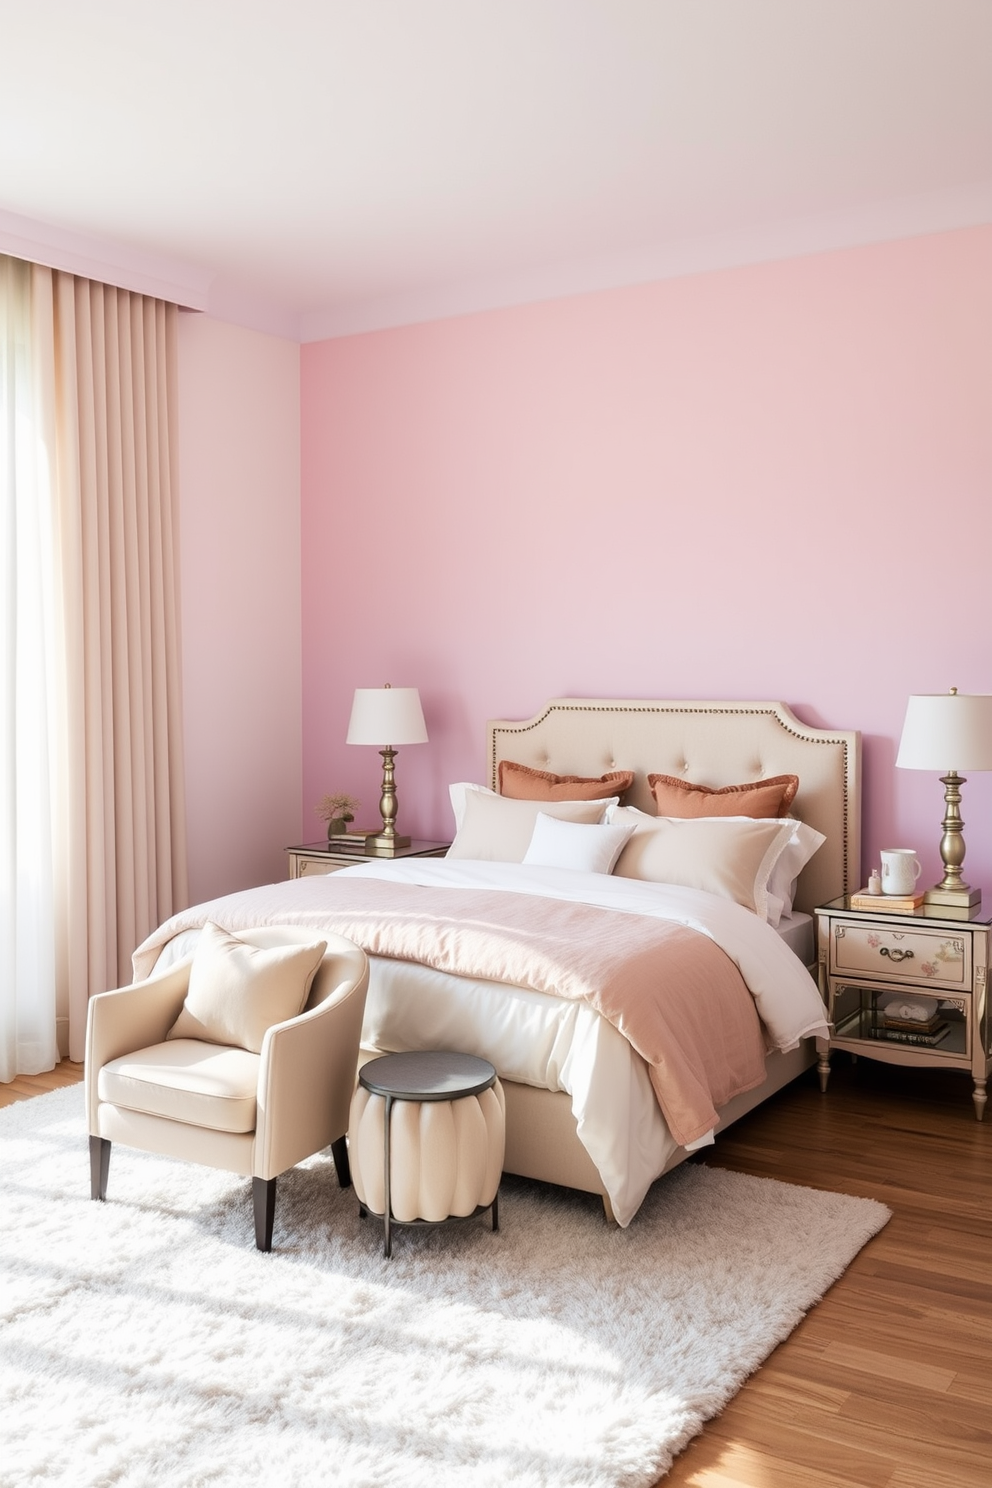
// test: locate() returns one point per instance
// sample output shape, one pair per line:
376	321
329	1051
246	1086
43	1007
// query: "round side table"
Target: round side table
450	1161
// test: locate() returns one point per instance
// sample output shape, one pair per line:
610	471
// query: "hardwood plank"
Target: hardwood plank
796	1391
926	1475
976	1388
946	1425
737	1466
850	1452
908	1371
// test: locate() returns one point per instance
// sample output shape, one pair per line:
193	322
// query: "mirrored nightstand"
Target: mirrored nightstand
934	960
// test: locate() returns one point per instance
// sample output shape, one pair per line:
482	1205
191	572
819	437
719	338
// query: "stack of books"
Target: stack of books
347	841
928	1031
901	903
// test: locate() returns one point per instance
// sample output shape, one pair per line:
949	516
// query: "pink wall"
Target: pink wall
240	545
765	482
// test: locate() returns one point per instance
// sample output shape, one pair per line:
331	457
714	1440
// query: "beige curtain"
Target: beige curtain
106	363
120	865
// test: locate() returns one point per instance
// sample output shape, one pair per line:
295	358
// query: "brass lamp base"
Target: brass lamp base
384	844
962	897
387	843
952	889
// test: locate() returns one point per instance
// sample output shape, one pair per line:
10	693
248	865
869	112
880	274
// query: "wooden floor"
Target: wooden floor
888	1382
25	1086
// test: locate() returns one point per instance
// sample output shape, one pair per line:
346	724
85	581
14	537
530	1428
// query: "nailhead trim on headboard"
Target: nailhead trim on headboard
848	742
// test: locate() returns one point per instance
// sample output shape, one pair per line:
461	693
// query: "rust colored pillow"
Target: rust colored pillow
758	798
521	783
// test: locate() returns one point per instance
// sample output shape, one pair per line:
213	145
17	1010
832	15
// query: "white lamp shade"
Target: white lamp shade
387	716
947	731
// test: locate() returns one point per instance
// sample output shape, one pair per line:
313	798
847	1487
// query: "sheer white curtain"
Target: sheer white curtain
28	668
103	373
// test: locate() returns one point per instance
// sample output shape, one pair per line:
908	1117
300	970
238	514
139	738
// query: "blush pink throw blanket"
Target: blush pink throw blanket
672	992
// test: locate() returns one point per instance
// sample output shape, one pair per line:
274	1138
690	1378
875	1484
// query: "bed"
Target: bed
583	1107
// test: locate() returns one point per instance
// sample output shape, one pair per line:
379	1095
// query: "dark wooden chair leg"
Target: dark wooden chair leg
264	1196
339	1152
99	1166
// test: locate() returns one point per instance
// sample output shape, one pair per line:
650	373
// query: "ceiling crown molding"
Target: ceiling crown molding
876	222
106	261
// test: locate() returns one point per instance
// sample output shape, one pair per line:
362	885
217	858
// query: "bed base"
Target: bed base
542	1141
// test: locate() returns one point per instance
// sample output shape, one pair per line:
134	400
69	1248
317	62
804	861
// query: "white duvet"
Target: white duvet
544	1041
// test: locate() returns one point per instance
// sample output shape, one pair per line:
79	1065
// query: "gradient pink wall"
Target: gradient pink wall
772	482
239	442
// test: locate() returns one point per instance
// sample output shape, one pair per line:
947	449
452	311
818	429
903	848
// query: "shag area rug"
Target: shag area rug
145	1342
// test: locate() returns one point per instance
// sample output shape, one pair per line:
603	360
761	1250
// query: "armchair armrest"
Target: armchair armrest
130	1018
306	1080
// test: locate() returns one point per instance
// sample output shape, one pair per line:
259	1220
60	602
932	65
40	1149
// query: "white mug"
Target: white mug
900	870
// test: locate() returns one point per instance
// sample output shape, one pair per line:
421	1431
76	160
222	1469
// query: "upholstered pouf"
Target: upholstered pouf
426	1139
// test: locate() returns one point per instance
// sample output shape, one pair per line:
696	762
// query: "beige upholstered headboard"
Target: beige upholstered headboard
711	744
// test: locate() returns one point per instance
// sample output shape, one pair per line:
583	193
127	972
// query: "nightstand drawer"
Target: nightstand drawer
309	859
307	867
924	958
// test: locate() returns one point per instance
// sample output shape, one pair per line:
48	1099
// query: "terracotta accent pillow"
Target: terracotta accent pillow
521	783
758	798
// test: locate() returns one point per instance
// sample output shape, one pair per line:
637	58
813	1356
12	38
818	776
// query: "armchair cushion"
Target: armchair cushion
237	990
201	1084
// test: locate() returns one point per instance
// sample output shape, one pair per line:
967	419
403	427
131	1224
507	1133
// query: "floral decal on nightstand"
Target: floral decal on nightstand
948	961
874	941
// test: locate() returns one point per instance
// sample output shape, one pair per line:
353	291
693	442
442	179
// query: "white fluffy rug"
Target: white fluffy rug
145	1341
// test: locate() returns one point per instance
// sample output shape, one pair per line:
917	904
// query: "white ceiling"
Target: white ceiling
316	167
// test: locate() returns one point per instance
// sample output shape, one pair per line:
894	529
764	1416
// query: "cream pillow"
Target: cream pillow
802	844
579	845
458	792
497	829
728	856
237	991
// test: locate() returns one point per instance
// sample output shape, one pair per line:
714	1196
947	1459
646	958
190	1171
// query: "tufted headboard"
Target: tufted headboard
711	744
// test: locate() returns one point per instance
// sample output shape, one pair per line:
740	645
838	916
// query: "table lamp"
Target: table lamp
387	716
949	731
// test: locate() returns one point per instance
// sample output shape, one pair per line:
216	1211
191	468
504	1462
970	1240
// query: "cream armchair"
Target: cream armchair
254	1114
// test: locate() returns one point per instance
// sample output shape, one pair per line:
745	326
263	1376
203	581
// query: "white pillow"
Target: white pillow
498	829
459	791
568	844
725	855
237	991
801	846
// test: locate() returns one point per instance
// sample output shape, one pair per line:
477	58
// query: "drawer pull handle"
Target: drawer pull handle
895	954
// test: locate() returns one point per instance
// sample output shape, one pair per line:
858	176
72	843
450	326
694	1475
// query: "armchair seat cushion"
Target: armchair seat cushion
186	1080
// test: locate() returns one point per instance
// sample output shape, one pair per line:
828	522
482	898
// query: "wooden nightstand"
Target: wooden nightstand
934	952
323	857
